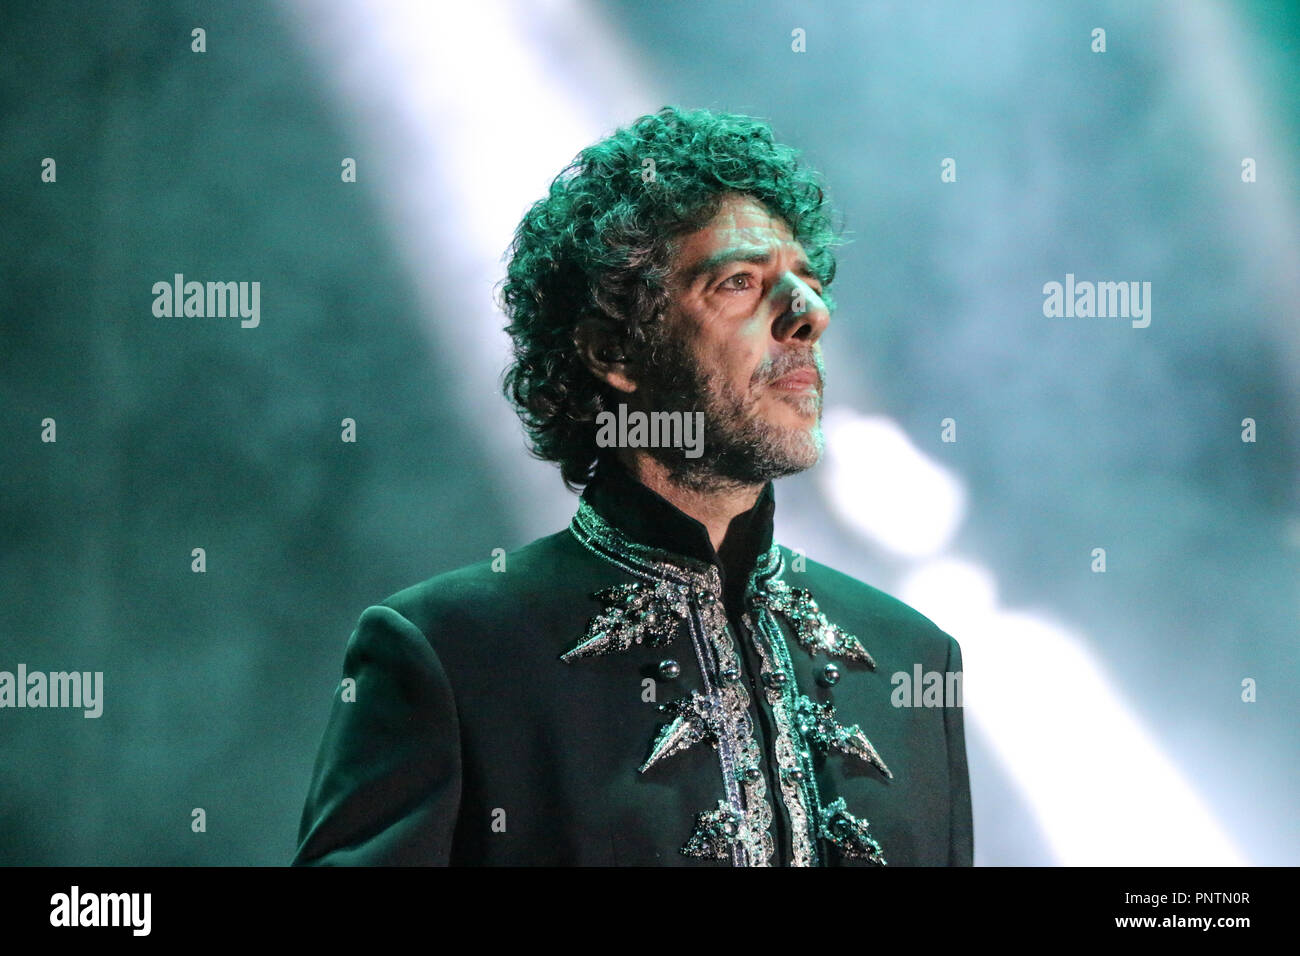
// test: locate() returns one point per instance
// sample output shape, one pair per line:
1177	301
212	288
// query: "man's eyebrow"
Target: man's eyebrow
709	265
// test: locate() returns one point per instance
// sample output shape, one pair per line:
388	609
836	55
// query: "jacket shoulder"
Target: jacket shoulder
840	594
490	591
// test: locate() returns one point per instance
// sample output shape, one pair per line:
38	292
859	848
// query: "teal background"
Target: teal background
175	434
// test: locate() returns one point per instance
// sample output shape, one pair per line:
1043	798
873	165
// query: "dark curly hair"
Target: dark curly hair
599	247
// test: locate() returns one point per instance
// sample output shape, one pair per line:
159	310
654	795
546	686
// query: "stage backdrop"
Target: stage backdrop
1101	508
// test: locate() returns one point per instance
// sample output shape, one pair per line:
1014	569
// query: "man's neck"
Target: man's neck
714	508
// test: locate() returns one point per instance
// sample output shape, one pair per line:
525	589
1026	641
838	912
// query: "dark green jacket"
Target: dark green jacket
525	712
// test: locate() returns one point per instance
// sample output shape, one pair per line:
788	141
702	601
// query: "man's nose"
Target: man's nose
804	316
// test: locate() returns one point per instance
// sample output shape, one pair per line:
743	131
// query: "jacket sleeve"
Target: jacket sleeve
961	831
387	781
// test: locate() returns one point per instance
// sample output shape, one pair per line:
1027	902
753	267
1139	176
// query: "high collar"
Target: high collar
650	519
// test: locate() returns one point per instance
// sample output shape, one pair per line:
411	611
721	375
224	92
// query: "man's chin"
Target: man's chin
810	454
796	409
797	449
799	422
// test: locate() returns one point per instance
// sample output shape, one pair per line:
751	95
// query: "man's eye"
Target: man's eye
726	283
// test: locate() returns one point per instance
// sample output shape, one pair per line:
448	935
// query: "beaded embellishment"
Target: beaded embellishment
674	597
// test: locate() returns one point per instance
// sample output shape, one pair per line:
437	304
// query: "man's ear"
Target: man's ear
601	351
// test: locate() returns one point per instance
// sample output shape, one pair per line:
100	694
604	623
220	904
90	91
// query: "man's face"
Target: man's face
739	342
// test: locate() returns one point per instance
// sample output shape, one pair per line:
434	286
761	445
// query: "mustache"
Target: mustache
787	362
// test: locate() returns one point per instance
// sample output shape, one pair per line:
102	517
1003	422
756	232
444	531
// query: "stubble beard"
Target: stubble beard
740	448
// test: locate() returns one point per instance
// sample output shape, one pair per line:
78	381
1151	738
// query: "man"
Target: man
658	684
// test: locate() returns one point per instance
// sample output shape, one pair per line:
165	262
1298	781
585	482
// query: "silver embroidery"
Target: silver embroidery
695	718
737	727
716	831
792	756
819	727
851	836
673	592
640	611
811	628
664	574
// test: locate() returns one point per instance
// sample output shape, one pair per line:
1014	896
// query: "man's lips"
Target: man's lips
798	381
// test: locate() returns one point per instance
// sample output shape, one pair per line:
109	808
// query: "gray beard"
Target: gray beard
740	449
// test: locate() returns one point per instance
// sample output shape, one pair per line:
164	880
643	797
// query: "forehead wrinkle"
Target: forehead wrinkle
751	231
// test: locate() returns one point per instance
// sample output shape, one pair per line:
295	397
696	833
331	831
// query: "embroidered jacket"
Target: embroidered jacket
621	694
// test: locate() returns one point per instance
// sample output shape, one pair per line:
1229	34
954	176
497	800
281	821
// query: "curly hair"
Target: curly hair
600	245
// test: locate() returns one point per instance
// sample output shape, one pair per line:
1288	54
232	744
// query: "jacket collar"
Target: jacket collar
649	519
